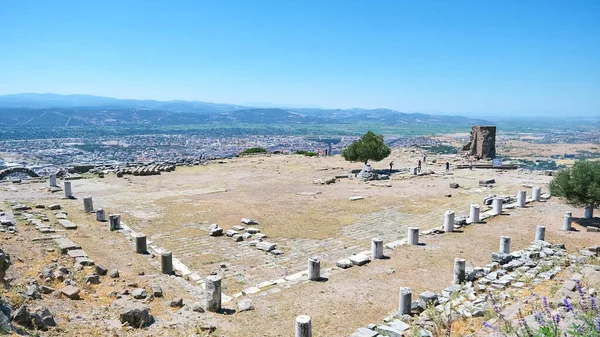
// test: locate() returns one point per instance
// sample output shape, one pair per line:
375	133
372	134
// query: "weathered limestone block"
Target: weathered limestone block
474	214
67	189
588	212
449	221
497	206
88	205
67	224
404	301
459	271
367	173
428	298
521	198
114	221
505	244
136	315
501	258
71	292
100	215
64	245
249	221
540	233
4	264
303	326
413	236
377	248
215	230
567	221
314	269
536	193
344	263
213	293
266	246
359	259
166	262
52	181
140	243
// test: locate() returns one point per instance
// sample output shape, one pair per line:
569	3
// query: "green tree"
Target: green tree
369	147
579	185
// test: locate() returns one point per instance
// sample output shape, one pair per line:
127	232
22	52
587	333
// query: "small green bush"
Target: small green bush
254	150
306	153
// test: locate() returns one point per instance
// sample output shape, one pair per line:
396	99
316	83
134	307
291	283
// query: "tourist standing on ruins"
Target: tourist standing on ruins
419	165
424	158
471	165
447	167
391	164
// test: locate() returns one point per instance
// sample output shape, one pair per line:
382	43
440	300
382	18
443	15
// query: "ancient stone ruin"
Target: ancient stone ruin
482	143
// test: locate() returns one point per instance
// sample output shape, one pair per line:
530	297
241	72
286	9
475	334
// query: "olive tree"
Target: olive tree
579	185
369	147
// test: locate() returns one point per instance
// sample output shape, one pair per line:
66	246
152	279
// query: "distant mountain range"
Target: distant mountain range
87	110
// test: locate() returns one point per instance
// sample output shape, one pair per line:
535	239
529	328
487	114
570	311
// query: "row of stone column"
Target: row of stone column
497	203
303	323
314	264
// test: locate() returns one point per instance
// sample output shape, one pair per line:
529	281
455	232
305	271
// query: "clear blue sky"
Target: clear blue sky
510	57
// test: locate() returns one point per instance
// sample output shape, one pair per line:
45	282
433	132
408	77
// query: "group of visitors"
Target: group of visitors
422	163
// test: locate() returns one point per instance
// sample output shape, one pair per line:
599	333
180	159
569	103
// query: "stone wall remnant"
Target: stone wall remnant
482	143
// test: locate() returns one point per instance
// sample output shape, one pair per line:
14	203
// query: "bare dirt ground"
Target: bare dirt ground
175	209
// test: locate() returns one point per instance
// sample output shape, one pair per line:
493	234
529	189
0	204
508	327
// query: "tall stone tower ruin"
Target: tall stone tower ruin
482	143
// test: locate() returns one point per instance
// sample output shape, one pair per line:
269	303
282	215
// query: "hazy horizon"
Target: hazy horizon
482	115
467	58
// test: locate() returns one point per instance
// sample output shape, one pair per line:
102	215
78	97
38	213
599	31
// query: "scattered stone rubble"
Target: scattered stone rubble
523	269
240	233
148	170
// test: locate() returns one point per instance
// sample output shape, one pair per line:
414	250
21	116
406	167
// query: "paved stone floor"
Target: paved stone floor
249	266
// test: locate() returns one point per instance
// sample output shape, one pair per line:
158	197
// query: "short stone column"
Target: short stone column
521	198
166	262
140	243
88	205
100	215
68	191
567	221
588	212
505	244
540	233
303	326
377	248
414	171
536	193
314	269
52	181
459	271
497	206
548	191
213	293
449	221
114	221
474	213
404	301
413	236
